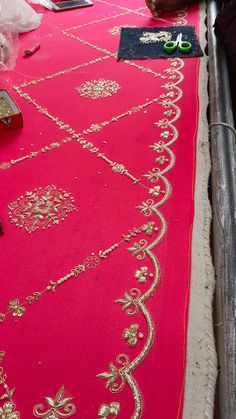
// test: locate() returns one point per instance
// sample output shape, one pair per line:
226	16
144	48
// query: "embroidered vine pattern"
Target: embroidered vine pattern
120	373
7	408
59	407
17	309
87	145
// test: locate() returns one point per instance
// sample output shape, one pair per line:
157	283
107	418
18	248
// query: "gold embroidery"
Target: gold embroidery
155	191
149	228
8	410
116	30
97	89
129	302
94	127
142	274
151	37
135	300
5	165
138	249
161	160
131	335
91	262
59	407
105	411
41	208
16	308
118	168
115	376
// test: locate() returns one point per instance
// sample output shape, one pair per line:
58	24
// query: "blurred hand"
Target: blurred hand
166	5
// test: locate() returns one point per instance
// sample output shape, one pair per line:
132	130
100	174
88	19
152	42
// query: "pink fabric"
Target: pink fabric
70	336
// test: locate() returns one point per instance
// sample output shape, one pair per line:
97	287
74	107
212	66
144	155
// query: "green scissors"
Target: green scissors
182	46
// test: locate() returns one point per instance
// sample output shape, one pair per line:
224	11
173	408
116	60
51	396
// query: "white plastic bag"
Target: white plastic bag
8	50
17	16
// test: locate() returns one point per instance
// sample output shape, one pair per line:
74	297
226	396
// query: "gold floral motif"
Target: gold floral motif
92	261
149	228
151	37
142	274
130	301
16	308
131	335
155	191
59	407
106	411
7	411
118	168
96	127
138	249
115	376
41	208
116	30
147	208
161	160
97	89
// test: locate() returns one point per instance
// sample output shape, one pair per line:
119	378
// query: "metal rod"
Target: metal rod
223	154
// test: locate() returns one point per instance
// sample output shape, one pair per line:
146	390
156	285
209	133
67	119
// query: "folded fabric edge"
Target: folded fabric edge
201	358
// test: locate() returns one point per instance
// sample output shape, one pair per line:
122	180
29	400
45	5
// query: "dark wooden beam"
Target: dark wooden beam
223	155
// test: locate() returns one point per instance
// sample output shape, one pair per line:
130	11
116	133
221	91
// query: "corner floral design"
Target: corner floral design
41	208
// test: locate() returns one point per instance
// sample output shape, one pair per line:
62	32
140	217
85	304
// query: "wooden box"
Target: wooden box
10	114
